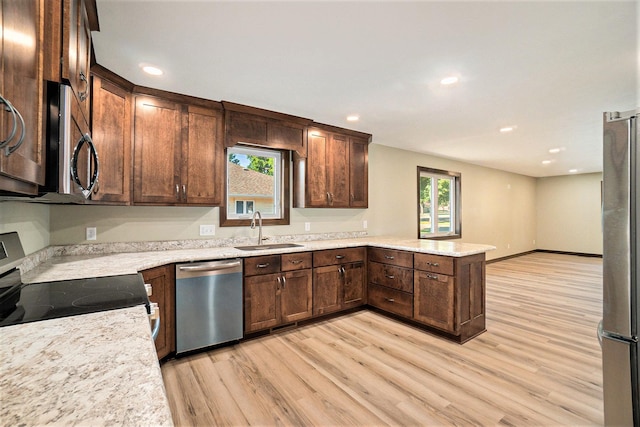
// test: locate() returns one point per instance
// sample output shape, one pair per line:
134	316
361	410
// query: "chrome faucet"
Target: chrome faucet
253	225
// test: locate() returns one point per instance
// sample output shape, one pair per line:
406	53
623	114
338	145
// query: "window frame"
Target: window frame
456	211
284	189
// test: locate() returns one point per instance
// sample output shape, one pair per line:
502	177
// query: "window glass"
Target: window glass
438	204
255	182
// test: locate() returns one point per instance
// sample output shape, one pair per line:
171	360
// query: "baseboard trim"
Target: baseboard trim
504	258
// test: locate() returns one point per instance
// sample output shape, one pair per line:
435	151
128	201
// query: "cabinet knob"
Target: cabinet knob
265	265
339	256
389	276
389	257
390	299
295	261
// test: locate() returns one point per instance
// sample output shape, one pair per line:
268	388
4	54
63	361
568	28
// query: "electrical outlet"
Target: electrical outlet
508	245
307	226
207	230
92	233
364	224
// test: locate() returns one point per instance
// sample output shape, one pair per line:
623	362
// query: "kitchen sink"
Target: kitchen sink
268	246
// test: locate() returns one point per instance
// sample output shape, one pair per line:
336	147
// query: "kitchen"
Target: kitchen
516	213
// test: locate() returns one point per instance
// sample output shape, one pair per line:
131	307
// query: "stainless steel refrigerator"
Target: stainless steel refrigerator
618	331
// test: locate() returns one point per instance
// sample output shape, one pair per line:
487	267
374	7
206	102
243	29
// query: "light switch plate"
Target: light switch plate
365	224
307	226
207	230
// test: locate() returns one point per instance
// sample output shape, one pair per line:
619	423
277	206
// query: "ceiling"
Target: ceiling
548	68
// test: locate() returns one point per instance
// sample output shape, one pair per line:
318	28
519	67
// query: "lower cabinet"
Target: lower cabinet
162	281
277	290
445	294
338	279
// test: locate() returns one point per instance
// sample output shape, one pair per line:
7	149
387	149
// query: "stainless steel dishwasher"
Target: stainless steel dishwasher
208	304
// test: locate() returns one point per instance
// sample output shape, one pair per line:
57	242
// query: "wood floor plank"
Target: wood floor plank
538	364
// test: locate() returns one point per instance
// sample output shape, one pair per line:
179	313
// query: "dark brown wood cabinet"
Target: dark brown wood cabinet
111	125
450	294
255	126
76	51
335	172
162	281
338	279
21	84
178	156
277	290
391	281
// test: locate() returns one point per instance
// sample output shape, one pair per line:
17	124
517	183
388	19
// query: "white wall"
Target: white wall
569	213
30	220
498	208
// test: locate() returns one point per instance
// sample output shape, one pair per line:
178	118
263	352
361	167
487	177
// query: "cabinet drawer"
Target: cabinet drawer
262	265
338	256
434	263
391	276
296	261
391	300
390	256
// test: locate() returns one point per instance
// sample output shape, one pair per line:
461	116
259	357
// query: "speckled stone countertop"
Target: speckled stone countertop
91	370
113	262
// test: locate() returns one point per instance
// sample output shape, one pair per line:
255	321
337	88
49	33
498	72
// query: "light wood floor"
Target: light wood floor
538	364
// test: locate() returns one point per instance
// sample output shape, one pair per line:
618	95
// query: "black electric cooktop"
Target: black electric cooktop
30	302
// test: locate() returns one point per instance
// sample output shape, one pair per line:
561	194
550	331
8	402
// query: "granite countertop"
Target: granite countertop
80	266
95	369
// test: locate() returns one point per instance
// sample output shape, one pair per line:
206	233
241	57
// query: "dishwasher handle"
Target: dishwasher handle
210	266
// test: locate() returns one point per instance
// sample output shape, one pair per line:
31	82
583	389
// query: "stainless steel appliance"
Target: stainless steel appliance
30	302
618	331
208	304
72	168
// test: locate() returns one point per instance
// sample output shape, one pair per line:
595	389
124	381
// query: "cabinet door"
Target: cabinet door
316	179
338	171
22	85
111	124
261	309
353	285
157	151
327	289
202	167
359	173
295	296
162	282
434	302
84	59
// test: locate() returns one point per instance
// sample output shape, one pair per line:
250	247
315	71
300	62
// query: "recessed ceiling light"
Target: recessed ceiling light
555	150
573	170
449	80
507	129
150	69
353	118
546	162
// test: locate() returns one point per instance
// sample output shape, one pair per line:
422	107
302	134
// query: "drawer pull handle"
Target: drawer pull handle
339	256
435	264
295	261
390	299
389	276
265	265
432	276
389	257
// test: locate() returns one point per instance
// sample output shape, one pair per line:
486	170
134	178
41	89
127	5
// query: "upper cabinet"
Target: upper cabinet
255	126
178	153
21	87
111	125
76	43
335	172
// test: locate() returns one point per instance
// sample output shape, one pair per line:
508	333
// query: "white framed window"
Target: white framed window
439	204
256	178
